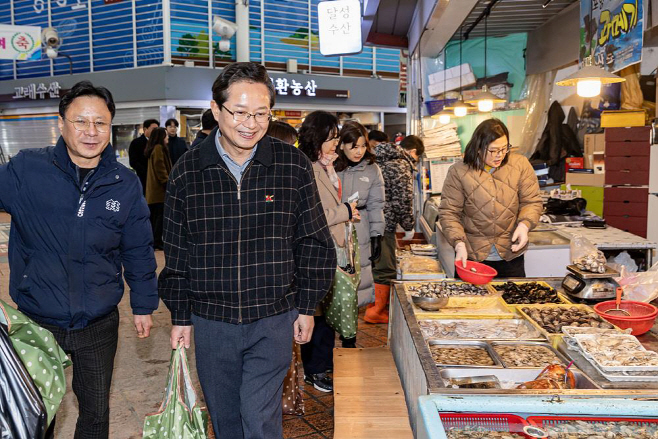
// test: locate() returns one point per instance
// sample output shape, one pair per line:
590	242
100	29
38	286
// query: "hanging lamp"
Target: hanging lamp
589	78
460	108
485	100
444	114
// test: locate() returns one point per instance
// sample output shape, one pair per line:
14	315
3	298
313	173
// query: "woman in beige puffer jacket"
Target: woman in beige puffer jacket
490	202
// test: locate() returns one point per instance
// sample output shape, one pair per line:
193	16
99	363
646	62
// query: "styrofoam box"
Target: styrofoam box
452	84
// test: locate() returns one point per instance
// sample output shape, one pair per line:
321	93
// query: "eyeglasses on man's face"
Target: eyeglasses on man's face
83	125
243	116
500	151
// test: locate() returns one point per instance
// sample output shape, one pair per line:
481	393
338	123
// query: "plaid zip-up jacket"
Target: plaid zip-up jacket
241	251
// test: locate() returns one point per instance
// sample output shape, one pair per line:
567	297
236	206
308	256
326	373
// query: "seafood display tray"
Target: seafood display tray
536	335
554	351
614	369
461	344
555	421
618	377
408	286
517	376
564	300
498	422
467	307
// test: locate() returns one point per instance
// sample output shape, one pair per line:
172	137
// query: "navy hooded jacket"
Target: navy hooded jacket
69	239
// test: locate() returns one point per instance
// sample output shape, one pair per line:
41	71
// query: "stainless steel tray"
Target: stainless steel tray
559	356
461	344
517	376
536	335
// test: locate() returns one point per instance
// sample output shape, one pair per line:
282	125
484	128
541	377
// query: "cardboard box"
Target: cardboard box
584	179
451	84
631	134
574	163
623	118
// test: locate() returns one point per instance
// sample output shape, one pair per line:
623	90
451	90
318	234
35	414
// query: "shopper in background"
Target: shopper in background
177	146
398	164
318	138
136	151
282	131
79	225
490	202
376	137
159	167
208	123
248	256
360	175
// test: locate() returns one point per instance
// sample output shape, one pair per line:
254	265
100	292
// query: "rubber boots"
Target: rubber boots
378	313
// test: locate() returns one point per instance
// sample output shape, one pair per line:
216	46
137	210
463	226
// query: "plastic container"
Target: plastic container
642	318
491	422
483	274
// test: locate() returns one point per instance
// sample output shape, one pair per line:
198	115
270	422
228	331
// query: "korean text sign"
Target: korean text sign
612	31
20	42
340	27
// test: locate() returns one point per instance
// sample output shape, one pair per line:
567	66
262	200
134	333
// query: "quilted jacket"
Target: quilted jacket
483	209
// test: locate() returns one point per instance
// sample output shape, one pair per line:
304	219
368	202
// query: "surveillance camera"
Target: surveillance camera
224	28
224	45
50	37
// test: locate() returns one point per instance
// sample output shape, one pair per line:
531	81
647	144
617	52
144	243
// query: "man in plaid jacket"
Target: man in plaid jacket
248	256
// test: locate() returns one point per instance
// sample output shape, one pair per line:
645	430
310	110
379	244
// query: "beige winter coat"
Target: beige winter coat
482	209
335	211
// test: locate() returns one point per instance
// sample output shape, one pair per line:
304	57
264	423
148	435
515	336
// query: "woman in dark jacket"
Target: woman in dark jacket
159	167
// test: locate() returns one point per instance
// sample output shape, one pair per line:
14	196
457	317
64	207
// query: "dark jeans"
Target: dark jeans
92	351
241	369
318	354
384	269
157	217
506	269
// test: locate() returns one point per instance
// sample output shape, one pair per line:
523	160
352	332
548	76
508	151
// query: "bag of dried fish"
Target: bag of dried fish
554	318
555	376
447	289
527	293
586	256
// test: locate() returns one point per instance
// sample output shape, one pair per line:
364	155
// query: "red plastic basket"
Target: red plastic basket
491	421
483	275
641	320
547	421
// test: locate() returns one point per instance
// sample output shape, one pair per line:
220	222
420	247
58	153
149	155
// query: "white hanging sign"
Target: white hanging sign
20	42
340	27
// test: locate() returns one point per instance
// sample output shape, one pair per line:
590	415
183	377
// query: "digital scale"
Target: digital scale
590	286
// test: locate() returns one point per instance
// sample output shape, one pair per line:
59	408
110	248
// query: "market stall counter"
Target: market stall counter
523	337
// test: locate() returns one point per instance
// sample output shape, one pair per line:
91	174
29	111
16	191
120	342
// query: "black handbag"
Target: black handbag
22	413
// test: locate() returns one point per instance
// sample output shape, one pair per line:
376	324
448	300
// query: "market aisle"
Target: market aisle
141	370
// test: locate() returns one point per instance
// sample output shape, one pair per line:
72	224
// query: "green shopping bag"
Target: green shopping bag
180	416
341	303
39	352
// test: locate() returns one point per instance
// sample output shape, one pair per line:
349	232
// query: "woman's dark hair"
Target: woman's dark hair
282	131
378	136
316	129
86	88
158	136
488	131
350	133
241	71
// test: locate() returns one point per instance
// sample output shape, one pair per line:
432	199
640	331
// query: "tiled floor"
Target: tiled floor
318	420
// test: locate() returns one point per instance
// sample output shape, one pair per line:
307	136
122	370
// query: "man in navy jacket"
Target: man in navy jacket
79	225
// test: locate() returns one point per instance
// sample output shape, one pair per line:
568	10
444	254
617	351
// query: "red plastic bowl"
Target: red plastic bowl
482	276
642	318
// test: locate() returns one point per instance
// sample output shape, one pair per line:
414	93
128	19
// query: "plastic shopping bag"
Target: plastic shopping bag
42	357
586	256
180	416
292	398
22	413
639	286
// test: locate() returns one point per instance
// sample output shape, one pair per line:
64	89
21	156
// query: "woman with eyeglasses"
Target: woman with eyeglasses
490	202
159	167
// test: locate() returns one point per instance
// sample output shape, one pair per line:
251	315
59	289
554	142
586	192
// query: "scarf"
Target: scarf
327	163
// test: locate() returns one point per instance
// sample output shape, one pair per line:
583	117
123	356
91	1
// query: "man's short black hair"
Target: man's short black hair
172	121
86	88
208	121
378	136
148	122
413	142
241	71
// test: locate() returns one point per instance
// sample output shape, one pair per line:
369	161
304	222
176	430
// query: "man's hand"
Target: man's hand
460	253
143	325
520	237
180	334
303	328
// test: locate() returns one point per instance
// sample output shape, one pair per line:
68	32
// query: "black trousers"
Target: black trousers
318	354
157	218
506	269
384	269
92	351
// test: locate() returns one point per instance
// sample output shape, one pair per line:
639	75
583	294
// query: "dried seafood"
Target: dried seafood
527	293
447	289
474	432
594	262
500	329
520	355
474	356
619	351
554	318
601	430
